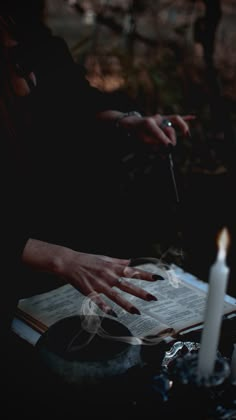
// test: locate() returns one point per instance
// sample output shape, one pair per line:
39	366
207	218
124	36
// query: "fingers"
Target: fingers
93	287
136	291
181	122
115	260
104	276
130	288
170	134
116	297
138	274
153	131
97	299
189	117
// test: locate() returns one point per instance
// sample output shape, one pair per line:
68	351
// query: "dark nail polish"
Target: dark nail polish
157	277
111	312
151	297
135	311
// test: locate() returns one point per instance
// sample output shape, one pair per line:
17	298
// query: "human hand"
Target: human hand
157	130
90	274
96	274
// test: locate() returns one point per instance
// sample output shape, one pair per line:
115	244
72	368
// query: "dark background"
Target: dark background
169	57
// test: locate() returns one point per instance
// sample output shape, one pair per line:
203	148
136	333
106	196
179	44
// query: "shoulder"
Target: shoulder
53	47
51	57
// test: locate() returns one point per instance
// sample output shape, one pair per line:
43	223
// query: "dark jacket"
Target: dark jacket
54	168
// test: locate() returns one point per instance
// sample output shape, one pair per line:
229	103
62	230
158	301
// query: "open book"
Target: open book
180	306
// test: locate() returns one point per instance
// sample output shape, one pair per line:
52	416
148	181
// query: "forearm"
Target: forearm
122	125
118	119
151	130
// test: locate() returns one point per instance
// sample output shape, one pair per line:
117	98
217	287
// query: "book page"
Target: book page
139	325
180	305
45	309
42	311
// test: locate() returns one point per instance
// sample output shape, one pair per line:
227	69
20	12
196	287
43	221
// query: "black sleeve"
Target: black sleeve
56	68
15	223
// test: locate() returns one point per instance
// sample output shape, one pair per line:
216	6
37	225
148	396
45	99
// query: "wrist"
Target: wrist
118	120
126	115
45	257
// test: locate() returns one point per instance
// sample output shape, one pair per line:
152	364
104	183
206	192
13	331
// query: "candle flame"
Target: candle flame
223	240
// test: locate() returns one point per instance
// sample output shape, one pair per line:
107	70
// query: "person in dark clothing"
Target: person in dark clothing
55	165
63	217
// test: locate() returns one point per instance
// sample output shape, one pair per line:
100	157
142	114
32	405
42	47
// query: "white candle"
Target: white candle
233	366
218	279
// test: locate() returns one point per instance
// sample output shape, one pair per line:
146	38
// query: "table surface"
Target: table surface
38	390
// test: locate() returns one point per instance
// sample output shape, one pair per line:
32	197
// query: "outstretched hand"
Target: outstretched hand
153	129
91	274
96	274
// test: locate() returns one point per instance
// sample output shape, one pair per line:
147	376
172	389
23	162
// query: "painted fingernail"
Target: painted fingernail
134	310
157	277
151	297
112	313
